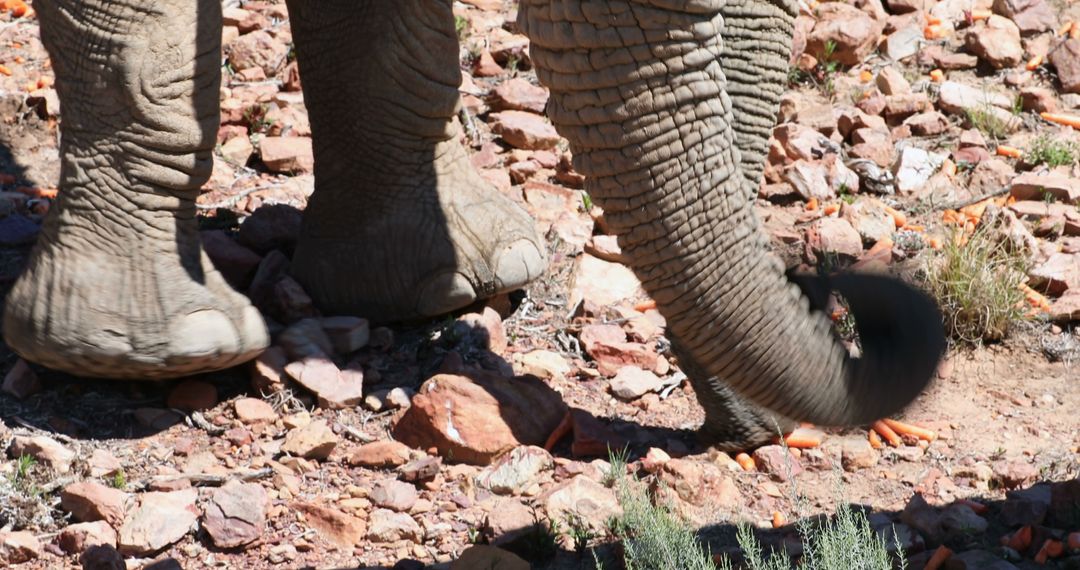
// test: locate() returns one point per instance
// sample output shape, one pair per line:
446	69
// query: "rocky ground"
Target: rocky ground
907	126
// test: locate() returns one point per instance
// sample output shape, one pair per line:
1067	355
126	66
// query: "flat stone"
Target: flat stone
347	334
519	94
514	472
631	382
334	388
46	450
524	130
161	519
334	526
388	526
1035	186
857	454
581	496
88	501
474	418
21	382
18	547
394	495
1066	60
834	236
77	537
287	154
254	410
379	454
236	514
312	441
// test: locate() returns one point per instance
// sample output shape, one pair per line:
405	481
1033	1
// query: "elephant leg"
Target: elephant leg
118	285
400	225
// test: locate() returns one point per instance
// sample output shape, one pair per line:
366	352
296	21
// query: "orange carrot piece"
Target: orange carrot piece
1009	151
865	76
645	305
1074	32
811	204
1021	539
886	432
778	519
1064	30
1049	549
562	430
979	508
1034	63
937	75
882	247
830	209
1073	541
746	462
977	15
875	439
933	20
933	32
1061	119
919	228
938	559
934	242
904	428
899	219
802	438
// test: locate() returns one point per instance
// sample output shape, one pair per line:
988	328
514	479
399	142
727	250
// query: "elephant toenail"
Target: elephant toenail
203	333
443	293
518	264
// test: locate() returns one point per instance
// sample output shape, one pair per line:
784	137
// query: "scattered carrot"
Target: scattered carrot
16	45
977	15
19	59
902	428
1035	299
811	204
917	228
778	519
1062	119
646	305
886	432
803	438
1034	63
882	247
865	76
6	178
934	242
44	81
938	559
38	192
746	462
4	70
562	430
1074	32
932	20
1064	30
1050	549
875	439
830	209
1009	151
1073	541
979	508
933	32
899	219
973	213
937	75
1021	539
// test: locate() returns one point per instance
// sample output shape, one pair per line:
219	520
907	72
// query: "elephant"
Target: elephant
667	106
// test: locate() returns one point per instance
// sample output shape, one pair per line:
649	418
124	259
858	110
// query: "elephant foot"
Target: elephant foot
429	239
136	312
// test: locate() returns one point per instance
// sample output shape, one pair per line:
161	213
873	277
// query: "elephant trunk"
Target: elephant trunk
639	89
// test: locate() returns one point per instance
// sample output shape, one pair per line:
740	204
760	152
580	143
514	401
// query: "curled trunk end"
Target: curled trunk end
639	89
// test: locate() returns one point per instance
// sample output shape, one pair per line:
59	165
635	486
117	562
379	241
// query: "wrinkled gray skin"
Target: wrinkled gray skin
667	105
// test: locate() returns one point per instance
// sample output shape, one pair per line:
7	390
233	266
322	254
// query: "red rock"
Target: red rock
472	419
518	94
891	82
387	526
990	176
160	520
268	370
854	33
236	514
257	49
857	454
1066	60
607	345
287	154
1060	272
489	326
899	107
799	142
45	449
18	547
1034	186
834	236
1030	16
591	501
338	528
192	395
486	66
88	501
959	98
254	410
379	454
631	382
21	382
394	495
1038	100
602	282
809	179
333	388
312	441
927	124
235	262
103	463
291	78
78	537
997	42
287	121
524	130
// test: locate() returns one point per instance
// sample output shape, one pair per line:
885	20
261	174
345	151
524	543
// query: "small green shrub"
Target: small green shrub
985	119
653	536
1052	152
977	285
